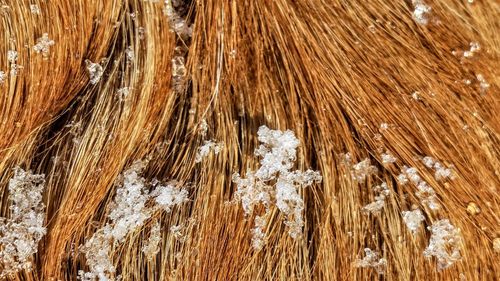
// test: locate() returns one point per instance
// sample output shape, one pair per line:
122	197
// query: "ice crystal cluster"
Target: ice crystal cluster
363	169
177	23
474	47
12	59
441	172
372	259
483	84
204	150
95	71
43	45
413	219
20	234
421	12
130	209
387	158
444	243
3	76
426	193
35	9
152	246
274	182
178	73
379	202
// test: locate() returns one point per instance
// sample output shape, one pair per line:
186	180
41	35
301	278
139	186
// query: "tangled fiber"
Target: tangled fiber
249	140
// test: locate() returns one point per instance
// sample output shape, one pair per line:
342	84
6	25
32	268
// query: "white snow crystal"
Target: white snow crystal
387	158
95	71
421	12
169	196
43	45
3	76
151	248
21	232
129	211
363	169
378	204
204	150
444	244
413	219
372	259
274	180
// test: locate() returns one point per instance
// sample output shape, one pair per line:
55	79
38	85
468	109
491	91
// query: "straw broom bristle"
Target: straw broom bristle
360	77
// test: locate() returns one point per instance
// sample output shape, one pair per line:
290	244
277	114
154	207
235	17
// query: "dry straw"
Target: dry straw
409	89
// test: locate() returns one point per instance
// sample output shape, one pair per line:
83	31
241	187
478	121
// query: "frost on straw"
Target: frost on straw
130	209
274	182
177	23
474	47
204	150
12	59
258	235
413	219
444	244
20	234
379	202
387	158
166	197
97	252
129	52
421	12
43	45
12	56
152	246
372	259
483	84
424	192
3	76
95	71
35	9
363	169
441	172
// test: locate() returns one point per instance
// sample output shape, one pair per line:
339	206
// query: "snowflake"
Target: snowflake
444	244
413	219
274	182
371	259
43	45
204	150
21	233
378	204
421	12
95	71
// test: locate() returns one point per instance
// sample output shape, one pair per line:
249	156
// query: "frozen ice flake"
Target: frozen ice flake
387	158
152	246
205	149
483	84
166	197
274	182
413	219
363	169
177	23
95	71
3	76
12	56
444	244
21	233
372	259
35	9
43	45
421	12
130	209
378	204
